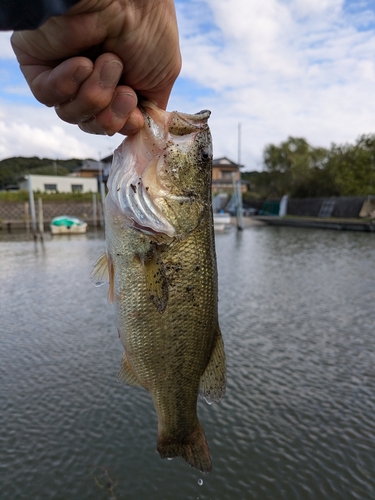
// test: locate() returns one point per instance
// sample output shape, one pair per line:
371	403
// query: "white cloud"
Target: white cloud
20	90
6	51
37	131
282	67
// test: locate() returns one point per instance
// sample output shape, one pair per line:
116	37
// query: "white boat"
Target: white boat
65	224
222	221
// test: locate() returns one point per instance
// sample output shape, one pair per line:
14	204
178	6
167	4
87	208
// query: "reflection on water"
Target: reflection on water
298	420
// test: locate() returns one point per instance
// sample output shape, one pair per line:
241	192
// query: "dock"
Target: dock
338	223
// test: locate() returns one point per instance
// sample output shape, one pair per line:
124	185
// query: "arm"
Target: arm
91	62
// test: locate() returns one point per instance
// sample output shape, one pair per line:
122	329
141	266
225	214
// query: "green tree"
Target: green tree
295	165
353	166
11	169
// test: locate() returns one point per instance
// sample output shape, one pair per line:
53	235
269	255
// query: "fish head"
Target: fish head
161	177
180	181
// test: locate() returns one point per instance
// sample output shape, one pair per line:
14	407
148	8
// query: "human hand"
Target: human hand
91	62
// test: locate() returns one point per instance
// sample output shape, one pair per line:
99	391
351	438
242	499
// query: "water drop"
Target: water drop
99	283
200	482
169	458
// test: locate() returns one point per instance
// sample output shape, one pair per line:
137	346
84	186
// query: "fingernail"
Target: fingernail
123	104
81	74
110	73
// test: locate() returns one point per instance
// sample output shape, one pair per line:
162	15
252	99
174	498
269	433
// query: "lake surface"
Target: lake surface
297	312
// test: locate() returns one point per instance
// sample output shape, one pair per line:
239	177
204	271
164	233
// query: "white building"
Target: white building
60	184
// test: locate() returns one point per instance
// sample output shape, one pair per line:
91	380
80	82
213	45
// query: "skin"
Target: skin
93	62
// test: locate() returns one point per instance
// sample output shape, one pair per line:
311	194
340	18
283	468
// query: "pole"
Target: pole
27	217
32	205
40	217
94	210
239	191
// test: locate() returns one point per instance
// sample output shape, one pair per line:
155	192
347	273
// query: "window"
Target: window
227	175
50	188
77	188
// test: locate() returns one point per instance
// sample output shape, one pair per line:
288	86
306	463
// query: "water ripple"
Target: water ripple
298	419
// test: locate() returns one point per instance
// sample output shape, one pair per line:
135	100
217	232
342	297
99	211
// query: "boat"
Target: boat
66	224
222	221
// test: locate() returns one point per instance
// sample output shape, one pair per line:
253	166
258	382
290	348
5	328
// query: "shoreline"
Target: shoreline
340	224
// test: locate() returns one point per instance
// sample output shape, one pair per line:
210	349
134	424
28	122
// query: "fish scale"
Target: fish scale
164	283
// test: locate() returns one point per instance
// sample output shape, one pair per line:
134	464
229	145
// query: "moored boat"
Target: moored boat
222	221
66	224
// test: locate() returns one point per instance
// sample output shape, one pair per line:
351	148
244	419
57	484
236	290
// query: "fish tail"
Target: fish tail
193	448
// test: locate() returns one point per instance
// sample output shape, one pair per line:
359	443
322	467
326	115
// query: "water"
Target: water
297	311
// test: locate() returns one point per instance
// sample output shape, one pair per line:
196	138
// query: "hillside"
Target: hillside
11	169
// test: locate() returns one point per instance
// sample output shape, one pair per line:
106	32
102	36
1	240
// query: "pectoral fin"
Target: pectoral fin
99	274
213	381
103	272
156	279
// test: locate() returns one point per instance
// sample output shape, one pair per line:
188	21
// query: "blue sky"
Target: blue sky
304	68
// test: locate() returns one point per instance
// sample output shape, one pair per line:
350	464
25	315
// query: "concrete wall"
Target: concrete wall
345	206
17	211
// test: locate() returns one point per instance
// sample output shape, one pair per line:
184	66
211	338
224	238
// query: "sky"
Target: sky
279	68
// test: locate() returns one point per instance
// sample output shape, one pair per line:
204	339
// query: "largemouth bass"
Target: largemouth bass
161	266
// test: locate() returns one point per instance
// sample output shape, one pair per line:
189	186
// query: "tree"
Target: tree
294	165
353	166
11	169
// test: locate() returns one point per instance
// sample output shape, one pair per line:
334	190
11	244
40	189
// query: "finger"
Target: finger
52	86
122	115
96	93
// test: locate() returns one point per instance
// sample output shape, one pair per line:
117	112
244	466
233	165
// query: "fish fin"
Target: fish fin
192	448
156	279
99	274
213	381
126	374
111	274
102	272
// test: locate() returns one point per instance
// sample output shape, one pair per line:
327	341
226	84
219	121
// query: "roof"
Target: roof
94	166
224	162
89	165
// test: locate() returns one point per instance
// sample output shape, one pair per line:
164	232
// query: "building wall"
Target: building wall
224	173
64	184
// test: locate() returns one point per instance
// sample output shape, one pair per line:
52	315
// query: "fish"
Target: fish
160	262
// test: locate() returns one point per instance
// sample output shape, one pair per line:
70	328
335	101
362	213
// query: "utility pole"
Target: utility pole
239	190
32	206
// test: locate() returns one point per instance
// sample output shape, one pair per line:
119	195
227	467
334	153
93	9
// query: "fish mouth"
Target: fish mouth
175	122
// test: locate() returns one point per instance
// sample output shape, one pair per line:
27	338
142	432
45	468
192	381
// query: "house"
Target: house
223	171
59	184
93	168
